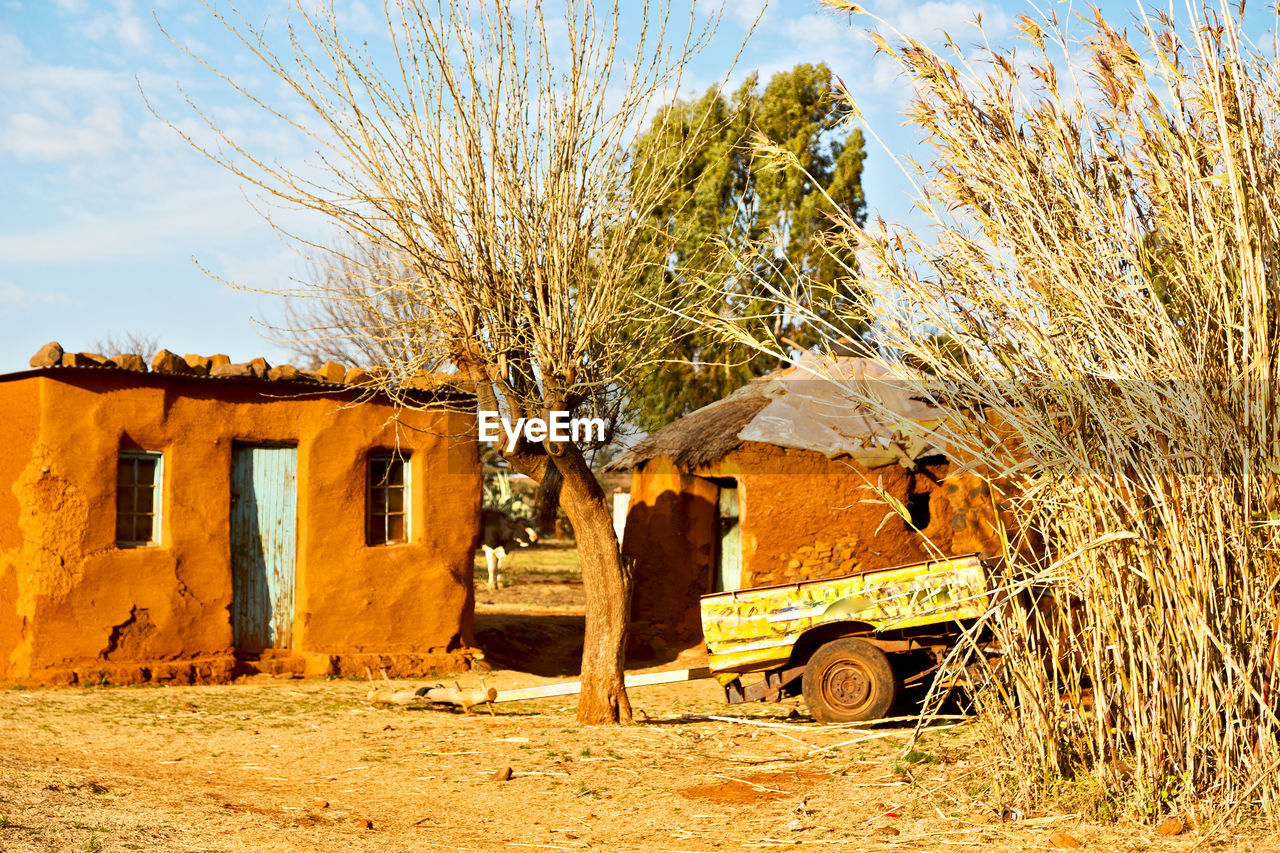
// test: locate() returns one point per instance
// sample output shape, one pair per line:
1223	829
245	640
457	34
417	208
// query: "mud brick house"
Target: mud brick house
778	483
173	525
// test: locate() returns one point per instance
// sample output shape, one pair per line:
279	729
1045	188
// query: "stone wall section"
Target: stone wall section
814	562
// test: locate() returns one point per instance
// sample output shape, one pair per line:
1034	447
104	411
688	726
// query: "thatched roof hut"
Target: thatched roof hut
794	476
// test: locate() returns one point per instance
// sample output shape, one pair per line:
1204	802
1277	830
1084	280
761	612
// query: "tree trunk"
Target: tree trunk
606	581
548	509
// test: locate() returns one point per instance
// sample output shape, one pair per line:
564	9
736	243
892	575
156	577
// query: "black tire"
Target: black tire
848	681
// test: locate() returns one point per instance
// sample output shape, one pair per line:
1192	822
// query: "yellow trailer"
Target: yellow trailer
837	640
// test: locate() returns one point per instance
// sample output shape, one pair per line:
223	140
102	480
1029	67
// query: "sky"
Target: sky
111	224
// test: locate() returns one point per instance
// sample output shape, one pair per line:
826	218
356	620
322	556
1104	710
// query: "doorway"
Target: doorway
728	565
264	535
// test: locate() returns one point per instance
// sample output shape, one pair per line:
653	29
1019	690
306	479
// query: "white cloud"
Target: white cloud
744	12
876	81
928	21
824	37
358	18
14	297
119	23
56	112
133	32
98	134
13	54
189	216
92	116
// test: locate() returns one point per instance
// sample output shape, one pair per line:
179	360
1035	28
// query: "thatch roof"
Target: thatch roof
701	437
815	405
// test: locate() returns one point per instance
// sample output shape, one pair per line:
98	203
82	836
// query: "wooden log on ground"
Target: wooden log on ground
465	699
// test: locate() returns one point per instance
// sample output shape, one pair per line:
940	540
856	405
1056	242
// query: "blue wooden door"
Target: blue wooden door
264	533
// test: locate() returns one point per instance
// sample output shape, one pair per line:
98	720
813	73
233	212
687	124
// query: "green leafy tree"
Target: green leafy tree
730	199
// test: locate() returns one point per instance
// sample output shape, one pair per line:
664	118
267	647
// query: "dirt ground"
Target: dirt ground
541	577
279	764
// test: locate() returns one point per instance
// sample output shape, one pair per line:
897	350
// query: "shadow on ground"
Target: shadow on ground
546	644
550	644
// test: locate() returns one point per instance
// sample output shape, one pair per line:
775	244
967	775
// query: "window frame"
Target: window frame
377	501
157	498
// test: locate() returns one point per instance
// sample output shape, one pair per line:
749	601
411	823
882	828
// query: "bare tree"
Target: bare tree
490	162
356	291
112	344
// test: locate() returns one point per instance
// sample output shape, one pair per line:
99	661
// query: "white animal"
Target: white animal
499	533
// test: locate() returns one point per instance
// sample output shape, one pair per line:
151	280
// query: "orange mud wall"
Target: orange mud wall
76	608
670	535
802	517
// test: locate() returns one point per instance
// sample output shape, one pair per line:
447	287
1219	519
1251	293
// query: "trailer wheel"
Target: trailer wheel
848	681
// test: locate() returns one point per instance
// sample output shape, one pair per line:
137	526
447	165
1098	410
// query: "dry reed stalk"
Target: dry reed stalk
1096	308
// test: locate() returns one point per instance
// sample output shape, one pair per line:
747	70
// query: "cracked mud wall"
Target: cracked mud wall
75	607
394	599
20	404
802	517
806	517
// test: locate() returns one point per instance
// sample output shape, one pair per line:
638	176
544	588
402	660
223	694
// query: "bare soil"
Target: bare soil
280	764
534	620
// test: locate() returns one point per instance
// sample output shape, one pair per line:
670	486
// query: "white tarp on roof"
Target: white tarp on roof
820	404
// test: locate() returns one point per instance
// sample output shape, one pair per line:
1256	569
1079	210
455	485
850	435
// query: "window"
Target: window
138	499
388	507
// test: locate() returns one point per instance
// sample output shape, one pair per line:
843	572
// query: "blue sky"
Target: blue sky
106	210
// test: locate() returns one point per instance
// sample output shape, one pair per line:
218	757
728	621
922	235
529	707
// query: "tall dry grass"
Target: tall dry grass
1096	304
